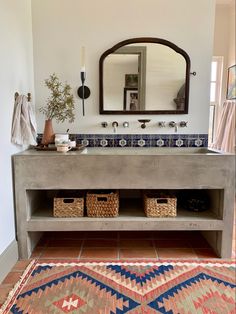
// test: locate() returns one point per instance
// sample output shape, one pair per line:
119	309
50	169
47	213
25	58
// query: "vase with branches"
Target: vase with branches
60	106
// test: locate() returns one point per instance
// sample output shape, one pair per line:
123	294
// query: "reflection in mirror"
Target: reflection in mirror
144	75
116	72
125	79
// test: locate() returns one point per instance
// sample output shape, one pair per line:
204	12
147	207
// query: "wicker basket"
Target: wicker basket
159	205
68	206
102	204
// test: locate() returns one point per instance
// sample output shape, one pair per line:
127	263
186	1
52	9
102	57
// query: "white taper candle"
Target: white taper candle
82	59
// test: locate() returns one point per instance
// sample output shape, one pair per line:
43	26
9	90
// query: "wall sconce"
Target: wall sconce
83	91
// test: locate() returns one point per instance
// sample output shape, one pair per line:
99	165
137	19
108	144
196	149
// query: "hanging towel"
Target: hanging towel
24	129
225	134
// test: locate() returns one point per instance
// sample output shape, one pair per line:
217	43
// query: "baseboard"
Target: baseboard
8	259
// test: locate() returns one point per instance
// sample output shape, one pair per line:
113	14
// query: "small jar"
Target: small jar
61	138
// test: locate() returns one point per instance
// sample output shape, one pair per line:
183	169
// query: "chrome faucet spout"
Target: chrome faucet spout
173	124
115	126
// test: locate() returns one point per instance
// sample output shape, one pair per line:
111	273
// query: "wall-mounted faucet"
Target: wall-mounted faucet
143	121
173	124
115	126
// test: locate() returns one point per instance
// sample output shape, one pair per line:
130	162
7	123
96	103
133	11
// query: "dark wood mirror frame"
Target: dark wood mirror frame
144	40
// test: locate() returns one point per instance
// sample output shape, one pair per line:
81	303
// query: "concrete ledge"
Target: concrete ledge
8	259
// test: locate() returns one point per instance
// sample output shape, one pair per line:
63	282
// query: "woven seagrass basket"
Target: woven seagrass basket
102	204
157	204
68	206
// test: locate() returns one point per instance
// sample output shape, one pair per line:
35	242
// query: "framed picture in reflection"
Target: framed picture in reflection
131	99
131	80
231	83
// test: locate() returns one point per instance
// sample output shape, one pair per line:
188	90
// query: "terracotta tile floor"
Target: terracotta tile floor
114	246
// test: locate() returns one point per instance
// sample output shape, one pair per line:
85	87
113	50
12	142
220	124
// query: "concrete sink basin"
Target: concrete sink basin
146	151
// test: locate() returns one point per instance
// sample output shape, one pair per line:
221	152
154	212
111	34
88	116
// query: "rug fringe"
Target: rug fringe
14	289
102	263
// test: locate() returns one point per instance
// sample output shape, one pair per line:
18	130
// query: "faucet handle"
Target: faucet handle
183	124
161	124
172	124
104	124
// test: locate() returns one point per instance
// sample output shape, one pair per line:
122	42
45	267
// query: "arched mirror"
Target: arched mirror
144	76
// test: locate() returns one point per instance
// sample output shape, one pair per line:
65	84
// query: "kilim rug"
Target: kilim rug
177	287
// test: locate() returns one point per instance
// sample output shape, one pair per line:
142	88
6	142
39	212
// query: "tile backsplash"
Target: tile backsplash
140	140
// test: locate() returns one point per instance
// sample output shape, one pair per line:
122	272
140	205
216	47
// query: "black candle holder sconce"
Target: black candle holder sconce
83	91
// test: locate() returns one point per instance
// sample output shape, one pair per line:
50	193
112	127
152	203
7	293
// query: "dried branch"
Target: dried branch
60	104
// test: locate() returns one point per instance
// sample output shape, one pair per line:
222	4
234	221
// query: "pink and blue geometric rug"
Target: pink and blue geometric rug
178	287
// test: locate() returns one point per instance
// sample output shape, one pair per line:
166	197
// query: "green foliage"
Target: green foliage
60	104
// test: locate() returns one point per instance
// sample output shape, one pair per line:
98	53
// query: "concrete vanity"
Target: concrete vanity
38	173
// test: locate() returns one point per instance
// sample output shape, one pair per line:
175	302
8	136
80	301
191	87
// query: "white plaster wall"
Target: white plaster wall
221	41
16	74
224	39
61	27
232	34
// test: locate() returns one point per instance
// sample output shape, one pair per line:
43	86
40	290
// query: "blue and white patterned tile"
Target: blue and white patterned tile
180	140
116	139
152	141
84	142
146	137
198	140
89	136
142	143
103	142
204	138
122	142
136	140
110	142
191	140
129	143
136	137
92	142
140	140
167	140
117	136
110	136
127	137
79	138
179	143
115	143
160	142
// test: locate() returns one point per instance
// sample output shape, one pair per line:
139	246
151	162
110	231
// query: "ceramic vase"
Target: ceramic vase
48	133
